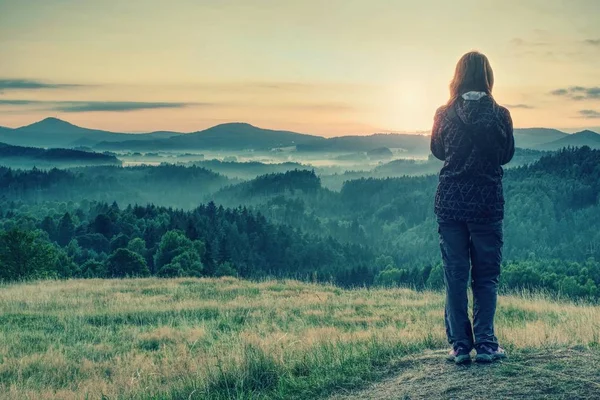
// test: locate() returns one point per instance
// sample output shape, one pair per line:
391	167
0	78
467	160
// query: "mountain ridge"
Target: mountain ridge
55	132
19	154
583	138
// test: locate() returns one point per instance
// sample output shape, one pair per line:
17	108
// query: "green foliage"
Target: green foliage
24	255
436	278
66	229
226	269
125	263
374	231
571	279
178	256
137	245
93	269
392	277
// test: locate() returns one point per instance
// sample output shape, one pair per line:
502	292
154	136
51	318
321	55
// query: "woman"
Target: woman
473	135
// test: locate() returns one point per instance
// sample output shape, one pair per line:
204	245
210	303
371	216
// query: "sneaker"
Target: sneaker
486	354
459	356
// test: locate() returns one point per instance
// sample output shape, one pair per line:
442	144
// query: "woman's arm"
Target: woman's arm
437	143
509	150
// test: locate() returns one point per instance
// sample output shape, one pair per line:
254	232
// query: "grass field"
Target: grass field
227	338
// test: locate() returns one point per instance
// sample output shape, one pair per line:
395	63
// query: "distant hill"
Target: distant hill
22	156
247	170
579	139
291	183
531	138
54	132
244	136
380	153
411	143
230	136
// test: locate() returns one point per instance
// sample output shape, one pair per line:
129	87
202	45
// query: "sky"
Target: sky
327	67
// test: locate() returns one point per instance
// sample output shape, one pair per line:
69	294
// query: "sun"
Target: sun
408	107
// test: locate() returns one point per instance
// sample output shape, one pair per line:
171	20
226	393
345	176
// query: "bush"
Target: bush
124	263
23	254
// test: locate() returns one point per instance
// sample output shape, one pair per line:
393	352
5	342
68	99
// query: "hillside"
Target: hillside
53	132
241	136
18	155
416	144
226	338
551	217
531	138
230	136
579	139
171	185
564	373
247	170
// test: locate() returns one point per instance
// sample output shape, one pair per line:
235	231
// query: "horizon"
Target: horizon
144	66
422	133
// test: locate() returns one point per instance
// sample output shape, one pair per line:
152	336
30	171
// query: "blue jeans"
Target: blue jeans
475	250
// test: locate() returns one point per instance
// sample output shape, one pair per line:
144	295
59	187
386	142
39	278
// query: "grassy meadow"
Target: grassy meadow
228	338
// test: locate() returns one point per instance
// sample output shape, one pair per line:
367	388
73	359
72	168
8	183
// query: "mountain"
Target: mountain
54	132
230	136
243	136
579	139
410	143
32	156
530	138
5	133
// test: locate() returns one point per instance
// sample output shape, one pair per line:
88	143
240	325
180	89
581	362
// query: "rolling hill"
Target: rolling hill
54	132
23	156
530	138
242	136
579	139
230	136
411	143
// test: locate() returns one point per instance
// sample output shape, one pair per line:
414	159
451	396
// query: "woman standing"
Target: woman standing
473	135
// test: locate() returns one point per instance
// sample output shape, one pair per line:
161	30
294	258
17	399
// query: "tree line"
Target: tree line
373	231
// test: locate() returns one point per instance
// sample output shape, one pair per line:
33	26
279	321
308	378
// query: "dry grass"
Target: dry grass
226	338
567	374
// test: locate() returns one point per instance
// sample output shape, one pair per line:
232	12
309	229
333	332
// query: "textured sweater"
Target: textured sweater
473	149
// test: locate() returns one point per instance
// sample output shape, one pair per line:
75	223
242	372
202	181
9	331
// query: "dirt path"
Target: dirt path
556	374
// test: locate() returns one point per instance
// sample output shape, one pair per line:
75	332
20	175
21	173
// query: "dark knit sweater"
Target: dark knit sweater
470	186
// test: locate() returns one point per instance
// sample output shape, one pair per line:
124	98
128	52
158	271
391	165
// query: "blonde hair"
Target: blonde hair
473	73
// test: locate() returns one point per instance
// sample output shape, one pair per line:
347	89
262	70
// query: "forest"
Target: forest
168	220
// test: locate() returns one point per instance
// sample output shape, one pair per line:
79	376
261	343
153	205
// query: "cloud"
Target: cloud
589	114
98	106
26	84
578	93
114	106
520	42
522	106
19	102
592	42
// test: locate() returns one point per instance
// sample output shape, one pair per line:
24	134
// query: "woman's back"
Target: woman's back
473	136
